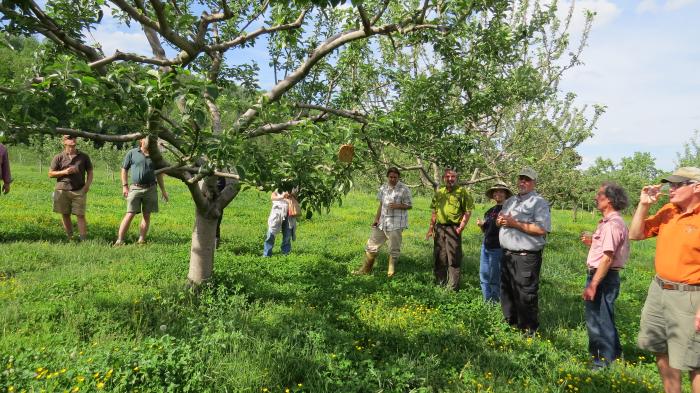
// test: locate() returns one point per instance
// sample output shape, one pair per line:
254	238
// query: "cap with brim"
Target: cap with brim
498	186
682	174
528	172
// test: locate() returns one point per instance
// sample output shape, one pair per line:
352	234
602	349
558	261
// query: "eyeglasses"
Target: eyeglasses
674	186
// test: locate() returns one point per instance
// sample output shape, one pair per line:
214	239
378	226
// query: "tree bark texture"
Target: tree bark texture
202	249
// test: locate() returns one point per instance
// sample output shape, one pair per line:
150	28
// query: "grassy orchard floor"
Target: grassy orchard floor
85	317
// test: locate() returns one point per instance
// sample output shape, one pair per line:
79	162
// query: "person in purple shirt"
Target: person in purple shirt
608	253
5	169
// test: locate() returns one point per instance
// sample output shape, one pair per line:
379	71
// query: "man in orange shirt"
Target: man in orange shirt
670	323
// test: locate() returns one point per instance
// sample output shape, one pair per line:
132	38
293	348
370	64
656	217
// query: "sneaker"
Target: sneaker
141	242
118	243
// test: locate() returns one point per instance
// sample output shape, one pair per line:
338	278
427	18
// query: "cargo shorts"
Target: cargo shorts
668	326
69	202
142	199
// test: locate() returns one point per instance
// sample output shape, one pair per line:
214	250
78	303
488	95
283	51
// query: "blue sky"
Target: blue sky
642	62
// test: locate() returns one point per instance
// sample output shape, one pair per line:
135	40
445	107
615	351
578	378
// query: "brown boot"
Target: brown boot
367	265
392	267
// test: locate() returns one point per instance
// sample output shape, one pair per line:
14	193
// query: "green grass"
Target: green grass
85	317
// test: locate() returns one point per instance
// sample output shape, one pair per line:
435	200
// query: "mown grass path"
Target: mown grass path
87	316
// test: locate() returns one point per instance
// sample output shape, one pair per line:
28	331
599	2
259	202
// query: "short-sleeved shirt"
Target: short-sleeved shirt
74	181
393	219
530	208
611	235
678	244
140	166
490	229
450	206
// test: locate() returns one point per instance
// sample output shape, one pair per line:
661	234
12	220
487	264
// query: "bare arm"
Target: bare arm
600	273
62	172
431	229
465	219
88	181
161	184
378	215
648	196
507	221
123	175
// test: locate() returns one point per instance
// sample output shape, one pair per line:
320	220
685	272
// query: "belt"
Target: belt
139	185
612	269
674	286
521	252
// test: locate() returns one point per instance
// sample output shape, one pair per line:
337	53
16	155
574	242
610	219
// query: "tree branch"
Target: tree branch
243	38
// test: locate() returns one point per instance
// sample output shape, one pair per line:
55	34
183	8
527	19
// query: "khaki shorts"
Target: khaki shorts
668	326
142	199
378	237
69	202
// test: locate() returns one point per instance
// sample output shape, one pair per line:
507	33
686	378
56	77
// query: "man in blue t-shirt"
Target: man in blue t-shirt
142	195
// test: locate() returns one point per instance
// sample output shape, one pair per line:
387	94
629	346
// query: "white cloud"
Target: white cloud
647	6
605	12
111	34
673	5
668	5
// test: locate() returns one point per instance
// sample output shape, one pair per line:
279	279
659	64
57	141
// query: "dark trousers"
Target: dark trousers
520	283
447	252
603	339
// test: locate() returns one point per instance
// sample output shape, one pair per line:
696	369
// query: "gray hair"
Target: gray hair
616	194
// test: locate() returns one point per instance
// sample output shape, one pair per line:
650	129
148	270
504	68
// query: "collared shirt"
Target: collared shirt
530	208
5	165
74	181
450	206
678	244
141	165
393	219
610	235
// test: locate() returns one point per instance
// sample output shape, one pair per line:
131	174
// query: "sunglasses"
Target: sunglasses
680	184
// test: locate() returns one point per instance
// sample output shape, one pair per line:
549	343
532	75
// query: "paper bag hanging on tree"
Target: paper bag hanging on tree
346	153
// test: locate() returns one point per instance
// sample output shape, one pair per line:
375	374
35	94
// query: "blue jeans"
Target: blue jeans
490	273
603	339
286	240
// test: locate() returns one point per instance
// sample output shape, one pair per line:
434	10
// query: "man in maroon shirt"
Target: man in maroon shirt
70	168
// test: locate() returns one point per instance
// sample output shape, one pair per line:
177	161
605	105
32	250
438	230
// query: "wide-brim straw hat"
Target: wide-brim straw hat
498	186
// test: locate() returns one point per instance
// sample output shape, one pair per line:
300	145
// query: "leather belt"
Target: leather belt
612	269
675	286
149	185
521	252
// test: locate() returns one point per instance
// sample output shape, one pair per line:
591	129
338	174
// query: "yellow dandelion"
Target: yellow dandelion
100	385
299	385
80	378
136	368
11	389
75	389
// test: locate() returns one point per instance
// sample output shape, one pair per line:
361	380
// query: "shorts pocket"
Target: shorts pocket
692	354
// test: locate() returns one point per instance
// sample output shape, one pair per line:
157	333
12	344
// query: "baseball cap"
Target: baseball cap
528	172
682	174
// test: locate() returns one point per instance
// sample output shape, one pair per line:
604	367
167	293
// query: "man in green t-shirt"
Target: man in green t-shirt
452	206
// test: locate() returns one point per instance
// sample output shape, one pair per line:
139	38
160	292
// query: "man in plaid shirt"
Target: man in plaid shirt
389	222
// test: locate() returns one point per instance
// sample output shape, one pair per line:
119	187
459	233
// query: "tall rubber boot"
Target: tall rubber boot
392	267
367	265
